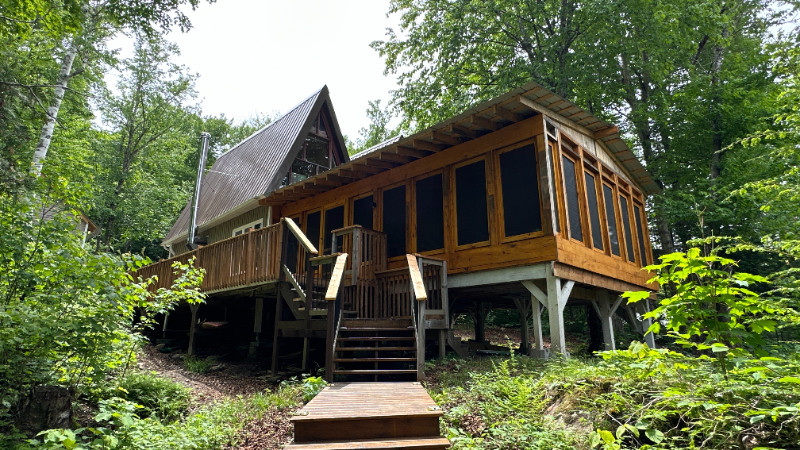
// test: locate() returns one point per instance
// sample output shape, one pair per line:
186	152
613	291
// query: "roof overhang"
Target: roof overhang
241	209
515	106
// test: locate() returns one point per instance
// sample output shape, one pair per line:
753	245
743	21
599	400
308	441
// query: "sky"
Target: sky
266	56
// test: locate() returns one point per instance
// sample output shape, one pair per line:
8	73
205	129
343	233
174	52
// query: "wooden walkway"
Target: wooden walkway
369	416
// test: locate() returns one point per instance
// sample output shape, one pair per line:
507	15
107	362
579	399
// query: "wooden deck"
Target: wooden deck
369	415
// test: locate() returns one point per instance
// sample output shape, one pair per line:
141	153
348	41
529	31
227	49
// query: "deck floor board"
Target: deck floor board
346	401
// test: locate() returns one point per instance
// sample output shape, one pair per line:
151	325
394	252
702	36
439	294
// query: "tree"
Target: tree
76	27
142	175
684	79
378	129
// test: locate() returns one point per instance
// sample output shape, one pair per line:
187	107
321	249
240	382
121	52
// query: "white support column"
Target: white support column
538	301
557	296
605	309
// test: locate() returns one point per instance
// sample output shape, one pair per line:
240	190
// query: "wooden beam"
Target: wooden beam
605	132
446	138
429	146
394	157
555	116
340	179
462	130
507	114
413	152
381	163
484	123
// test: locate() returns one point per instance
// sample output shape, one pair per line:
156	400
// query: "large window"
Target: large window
637	213
471	208
312	227
572	199
594	210
626	226
334	219
520	187
362	211
611	219
317	154
430	213
394	220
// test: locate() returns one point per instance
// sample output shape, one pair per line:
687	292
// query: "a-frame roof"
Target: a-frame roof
257	165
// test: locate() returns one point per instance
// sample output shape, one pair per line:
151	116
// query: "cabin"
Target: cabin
361	264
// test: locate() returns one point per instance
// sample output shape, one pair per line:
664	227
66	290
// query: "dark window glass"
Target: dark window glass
362	212
611	218
471	214
317	152
573	205
430	214
334	219
394	220
302	170
312	228
594	211
321	125
626	226
519	177
291	249
552	177
640	232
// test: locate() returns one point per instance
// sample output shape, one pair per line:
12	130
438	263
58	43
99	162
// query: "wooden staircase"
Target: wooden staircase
369	416
376	350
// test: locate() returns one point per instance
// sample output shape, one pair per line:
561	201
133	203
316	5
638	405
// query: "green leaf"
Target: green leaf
795	380
654	435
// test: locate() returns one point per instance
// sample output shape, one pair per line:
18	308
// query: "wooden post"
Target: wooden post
278	313
538	299
330	337
605	309
557	296
192	328
164	326
257	322
442	343
480	322
420	340
522	309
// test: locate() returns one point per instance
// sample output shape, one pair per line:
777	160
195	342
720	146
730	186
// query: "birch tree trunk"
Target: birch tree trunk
46	134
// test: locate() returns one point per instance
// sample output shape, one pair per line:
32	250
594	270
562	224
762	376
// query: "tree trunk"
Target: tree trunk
46	134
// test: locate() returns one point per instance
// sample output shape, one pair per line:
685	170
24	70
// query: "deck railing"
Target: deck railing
243	260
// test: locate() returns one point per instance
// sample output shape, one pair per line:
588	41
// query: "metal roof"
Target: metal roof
256	165
515	106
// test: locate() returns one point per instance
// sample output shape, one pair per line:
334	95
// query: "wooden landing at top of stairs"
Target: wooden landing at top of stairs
369	415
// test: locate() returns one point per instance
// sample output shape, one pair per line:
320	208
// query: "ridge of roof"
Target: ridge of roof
250	169
265	127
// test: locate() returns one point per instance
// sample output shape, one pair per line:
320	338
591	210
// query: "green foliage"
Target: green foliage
497	405
312	386
67	315
378	129
159	397
214	426
198	365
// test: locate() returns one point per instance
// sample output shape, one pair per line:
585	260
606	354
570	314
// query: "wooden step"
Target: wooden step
374	371
357	360
427	443
375	338
386	349
365	329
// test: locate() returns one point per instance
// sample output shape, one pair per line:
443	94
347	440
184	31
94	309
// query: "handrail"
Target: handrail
336	278
301	237
416	279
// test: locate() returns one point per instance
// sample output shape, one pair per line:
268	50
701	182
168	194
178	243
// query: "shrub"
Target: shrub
198	365
159	397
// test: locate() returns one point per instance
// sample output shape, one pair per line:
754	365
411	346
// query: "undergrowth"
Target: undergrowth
124	424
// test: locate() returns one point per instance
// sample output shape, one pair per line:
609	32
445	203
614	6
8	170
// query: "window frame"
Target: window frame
414	236
255	225
499	193
454	202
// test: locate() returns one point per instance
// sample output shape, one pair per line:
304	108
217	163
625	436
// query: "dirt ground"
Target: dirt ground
227	380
